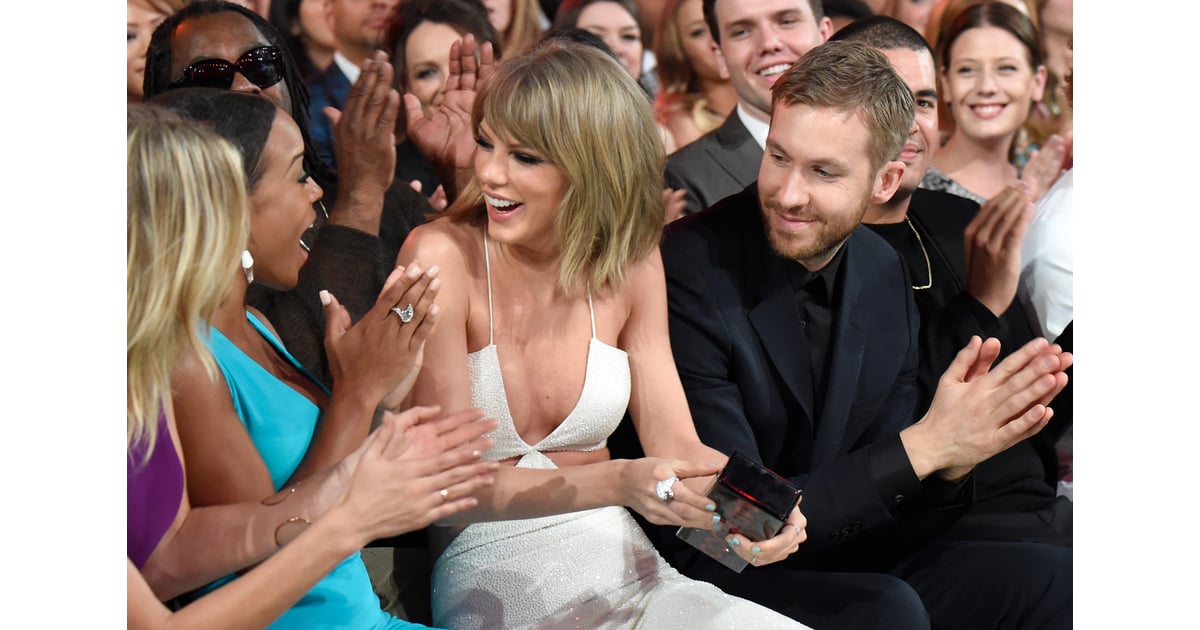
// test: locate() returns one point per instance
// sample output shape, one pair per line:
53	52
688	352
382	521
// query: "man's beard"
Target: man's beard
827	241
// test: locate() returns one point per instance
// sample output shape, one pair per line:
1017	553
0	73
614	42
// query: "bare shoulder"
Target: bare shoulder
190	379
200	398
452	246
643	292
645	277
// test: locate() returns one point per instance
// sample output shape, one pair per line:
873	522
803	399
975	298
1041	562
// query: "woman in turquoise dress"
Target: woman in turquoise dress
266	423
181	257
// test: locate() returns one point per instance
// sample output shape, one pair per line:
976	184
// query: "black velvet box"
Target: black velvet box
752	501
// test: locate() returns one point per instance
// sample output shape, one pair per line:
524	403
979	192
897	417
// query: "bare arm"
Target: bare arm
261	596
660	413
207	543
392	490
657	402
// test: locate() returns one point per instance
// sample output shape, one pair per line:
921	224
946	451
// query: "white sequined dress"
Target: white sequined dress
588	569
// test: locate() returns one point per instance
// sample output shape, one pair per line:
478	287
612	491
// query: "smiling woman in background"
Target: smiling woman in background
615	22
992	74
419	38
695	95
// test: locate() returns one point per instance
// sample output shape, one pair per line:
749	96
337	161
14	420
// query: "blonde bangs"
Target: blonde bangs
583	112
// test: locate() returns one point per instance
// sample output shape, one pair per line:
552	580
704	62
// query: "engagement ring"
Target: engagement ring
405	314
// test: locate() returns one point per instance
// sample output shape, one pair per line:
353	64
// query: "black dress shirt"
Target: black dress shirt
814	293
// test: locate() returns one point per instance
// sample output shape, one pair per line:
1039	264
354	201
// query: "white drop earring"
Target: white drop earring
248	265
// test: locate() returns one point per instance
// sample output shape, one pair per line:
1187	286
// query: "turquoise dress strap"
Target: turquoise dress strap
278	345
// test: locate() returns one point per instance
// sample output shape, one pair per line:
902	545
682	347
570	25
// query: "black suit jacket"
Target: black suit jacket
742	357
718	164
329	88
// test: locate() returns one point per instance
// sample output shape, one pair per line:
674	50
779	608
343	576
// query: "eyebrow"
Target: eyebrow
776	147
298	156
926	93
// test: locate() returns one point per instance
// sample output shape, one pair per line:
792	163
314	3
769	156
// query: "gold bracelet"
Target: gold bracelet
294	519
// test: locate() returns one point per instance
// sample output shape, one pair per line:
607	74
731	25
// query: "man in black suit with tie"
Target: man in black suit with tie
757	40
796	338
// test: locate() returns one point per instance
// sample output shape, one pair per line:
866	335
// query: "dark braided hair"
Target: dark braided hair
158	69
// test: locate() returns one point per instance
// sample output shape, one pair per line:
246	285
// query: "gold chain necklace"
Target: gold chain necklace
928	267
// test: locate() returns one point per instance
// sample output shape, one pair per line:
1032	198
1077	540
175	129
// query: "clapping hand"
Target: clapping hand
364	141
379	357
673	204
976	414
992	246
437	199
446	137
1046	164
418	467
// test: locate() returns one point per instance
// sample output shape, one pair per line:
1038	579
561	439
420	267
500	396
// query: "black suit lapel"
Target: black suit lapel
738	154
845	361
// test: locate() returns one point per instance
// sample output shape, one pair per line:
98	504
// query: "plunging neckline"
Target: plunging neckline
490	353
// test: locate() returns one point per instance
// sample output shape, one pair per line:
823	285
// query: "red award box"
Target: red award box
752	501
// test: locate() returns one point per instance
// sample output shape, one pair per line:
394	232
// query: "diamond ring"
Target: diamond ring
405	314
663	489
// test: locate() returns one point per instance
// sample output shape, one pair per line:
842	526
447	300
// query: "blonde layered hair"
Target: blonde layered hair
524	27
187	205
580	109
679	85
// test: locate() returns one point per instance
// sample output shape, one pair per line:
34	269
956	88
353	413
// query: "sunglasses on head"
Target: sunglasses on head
262	66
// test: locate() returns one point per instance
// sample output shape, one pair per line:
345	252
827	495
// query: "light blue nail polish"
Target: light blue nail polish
716	518
733	542
755	549
710	507
716	526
